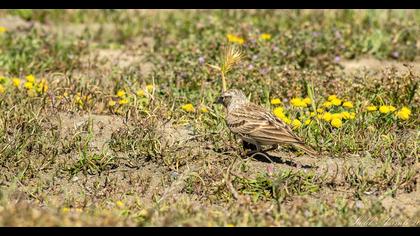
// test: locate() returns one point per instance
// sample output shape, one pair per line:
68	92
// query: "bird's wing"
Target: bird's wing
255	122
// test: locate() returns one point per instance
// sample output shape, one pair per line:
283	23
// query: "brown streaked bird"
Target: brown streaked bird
255	125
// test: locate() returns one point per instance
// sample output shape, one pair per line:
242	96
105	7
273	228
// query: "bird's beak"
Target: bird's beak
219	100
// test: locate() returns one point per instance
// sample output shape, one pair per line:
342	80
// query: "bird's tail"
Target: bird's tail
307	149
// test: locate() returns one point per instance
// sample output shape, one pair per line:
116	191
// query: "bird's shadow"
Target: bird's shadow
267	158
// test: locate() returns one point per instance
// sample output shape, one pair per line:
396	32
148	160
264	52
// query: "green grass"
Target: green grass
83	153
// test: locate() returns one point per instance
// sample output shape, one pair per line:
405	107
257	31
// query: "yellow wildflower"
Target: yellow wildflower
298	102
404	113
296	123
16	82
336	123
65	210
287	120
336	102
332	97
28	85
308	101
312	114
327	104
348	104
30	78
352	115
204	109
42	87
188	107
371	108
308	121
275	101
123	101
121	93
149	88
327	116
392	108
3	29
111	103
140	93
265	36
235	39
336	116
320	110
1	89
384	109
119	204
319	116
345	115
278	111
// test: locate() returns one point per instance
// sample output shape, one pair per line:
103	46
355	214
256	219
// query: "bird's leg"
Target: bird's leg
257	150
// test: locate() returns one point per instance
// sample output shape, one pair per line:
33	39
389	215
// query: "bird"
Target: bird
255	125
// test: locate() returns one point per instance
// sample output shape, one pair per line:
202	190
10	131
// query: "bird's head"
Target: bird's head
232	98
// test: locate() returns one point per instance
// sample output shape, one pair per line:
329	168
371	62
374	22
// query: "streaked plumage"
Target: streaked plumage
254	124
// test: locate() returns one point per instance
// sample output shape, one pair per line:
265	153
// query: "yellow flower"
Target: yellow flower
121	93
3	29
28	85
65	210
278	111
298	102
235	39
336	116
308	121
319	116
111	103
188	107
345	115
16	82
327	104
296	123
320	110
1	89
123	101
371	108
265	36
336	123
42	87
384	109
348	104
312	114
119	204
332	97
286	120
404	113
336	102
30	78
392	108
327	116
352	115
204	109
275	101
149	88
78	100
308	101
140	93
